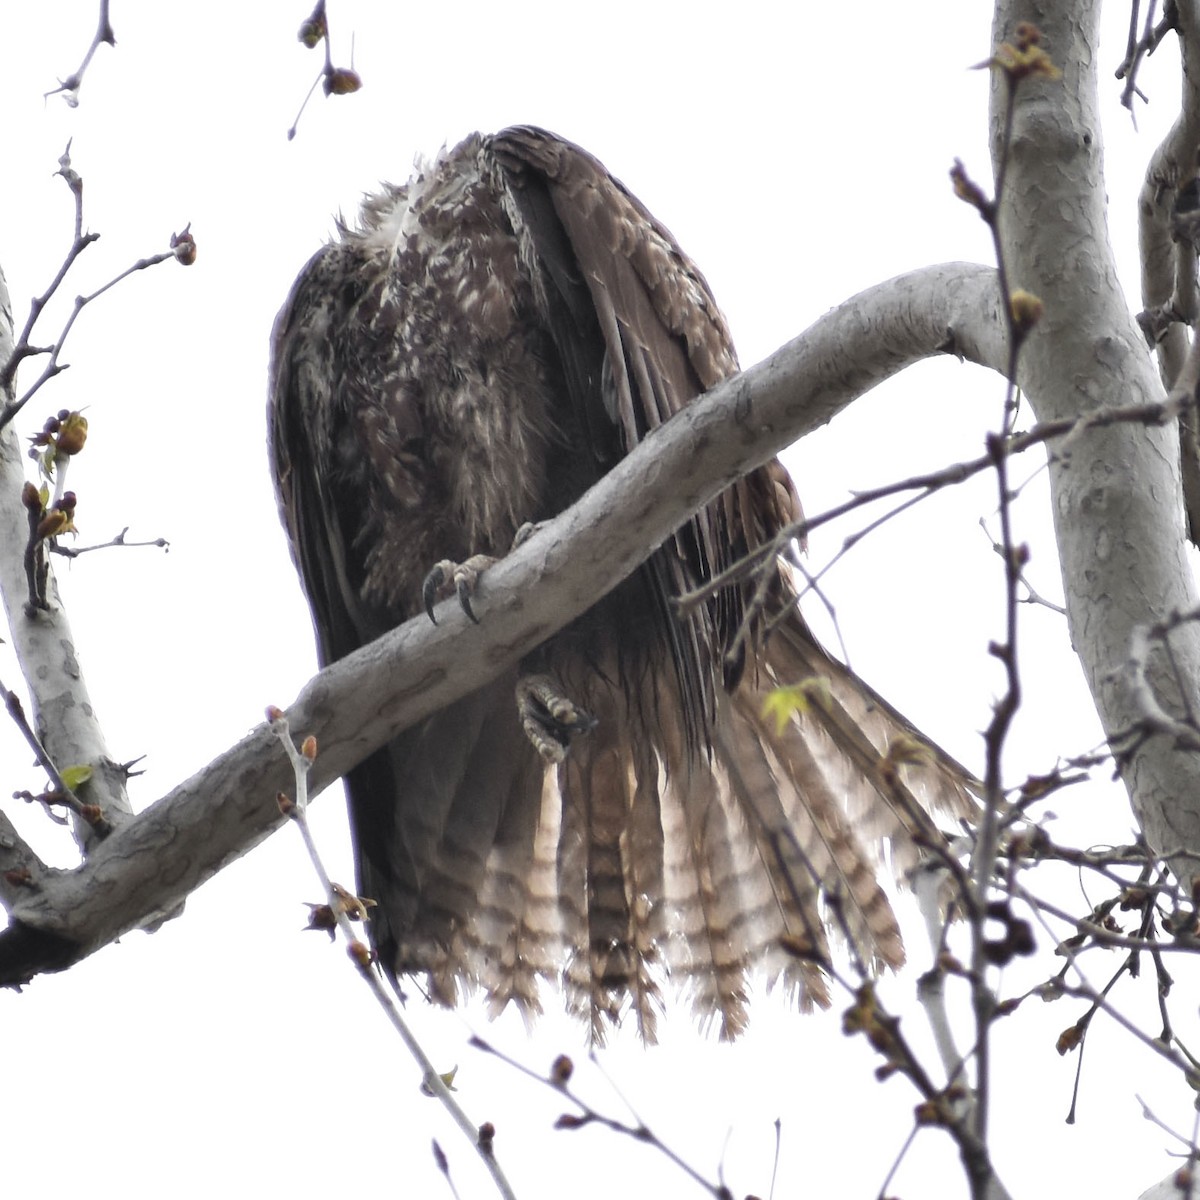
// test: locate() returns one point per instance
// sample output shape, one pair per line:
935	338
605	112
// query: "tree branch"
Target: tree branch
1168	265
1116	498
63	716
356	705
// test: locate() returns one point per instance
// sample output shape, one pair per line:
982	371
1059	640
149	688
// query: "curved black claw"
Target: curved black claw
459	578
463	588
549	718
434	582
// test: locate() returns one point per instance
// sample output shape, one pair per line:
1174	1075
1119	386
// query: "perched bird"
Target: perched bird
619	810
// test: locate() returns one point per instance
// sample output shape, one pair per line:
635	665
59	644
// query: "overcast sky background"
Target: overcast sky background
797	160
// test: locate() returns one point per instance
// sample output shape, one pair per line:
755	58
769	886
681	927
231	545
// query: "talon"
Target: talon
461	578
525	532
463	586
548	717
434	582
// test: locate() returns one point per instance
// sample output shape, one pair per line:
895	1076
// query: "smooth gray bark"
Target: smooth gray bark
153	861
1117	509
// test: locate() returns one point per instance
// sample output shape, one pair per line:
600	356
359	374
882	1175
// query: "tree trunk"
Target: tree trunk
1116	490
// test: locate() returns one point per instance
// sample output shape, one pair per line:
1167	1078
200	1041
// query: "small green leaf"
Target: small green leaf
447	1077
73	777
783	703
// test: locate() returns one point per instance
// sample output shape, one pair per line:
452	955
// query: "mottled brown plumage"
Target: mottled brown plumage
490	340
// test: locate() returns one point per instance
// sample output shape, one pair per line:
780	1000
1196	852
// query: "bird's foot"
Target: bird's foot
525	532
461	579
549	718
450	578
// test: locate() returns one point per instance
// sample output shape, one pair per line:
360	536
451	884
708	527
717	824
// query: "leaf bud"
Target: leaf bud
312	31
361	954
341	81
561	1071
1026	310
184	246
487	1137
1069	1039
72	433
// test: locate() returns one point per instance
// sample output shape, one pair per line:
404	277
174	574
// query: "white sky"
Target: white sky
798	161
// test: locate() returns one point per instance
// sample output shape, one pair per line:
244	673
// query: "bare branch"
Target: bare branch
1141	47
182	249
63	793
1086	355
335	81
301	760
359	703
63	716
104	36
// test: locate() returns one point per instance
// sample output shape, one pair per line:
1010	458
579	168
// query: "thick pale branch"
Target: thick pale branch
1117	495
356	705
1171	165
62	712
1168	266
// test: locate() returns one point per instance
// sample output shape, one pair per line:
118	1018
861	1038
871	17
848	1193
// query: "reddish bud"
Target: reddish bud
184	246
309	747
312	31
320	917
72	433
56	521
1069	1039
965	188
356	908
341	81
561	1071
361	954
1027	34
1020	936
930	1112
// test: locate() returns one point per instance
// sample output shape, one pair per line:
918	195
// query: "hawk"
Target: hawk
617	811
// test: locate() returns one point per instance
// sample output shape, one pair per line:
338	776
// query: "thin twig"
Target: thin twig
336	81
103	36
60	793
118	540
930	482
432	1081
181	244
638	1130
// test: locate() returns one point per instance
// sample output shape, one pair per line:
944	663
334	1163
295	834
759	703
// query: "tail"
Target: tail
639	864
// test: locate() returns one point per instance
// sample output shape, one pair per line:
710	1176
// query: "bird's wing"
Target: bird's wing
304	412
640	336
